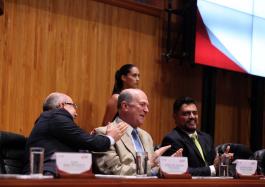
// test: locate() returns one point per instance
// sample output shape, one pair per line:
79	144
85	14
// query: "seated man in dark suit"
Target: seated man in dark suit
56	131
197	146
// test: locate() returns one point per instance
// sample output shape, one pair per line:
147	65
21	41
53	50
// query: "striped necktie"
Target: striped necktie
197	143
136	141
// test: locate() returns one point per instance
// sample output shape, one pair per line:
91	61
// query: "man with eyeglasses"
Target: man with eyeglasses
197	146
56	131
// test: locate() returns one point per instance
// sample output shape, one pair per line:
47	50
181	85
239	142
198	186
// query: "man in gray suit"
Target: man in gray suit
120	158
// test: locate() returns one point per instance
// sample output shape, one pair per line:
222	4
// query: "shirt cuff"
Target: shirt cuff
154	171
213	171
112	141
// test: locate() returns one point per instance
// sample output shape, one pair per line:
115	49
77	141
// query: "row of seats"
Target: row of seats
243	152
12	148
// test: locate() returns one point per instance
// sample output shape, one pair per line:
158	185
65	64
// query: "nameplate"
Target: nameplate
73	163
246	167
173	165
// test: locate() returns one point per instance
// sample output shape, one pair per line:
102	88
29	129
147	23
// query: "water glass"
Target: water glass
36	160
224	166
141	163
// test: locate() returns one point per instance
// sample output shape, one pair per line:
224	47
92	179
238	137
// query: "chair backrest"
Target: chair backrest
260	157
240	151
12	149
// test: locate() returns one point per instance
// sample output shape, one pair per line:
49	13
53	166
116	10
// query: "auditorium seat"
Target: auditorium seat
240	151
260	157
12	148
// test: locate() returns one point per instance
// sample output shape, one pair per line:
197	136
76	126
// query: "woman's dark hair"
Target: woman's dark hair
124	70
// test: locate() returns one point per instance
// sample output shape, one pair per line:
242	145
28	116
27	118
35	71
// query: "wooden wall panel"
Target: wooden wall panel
75	46
232	108
171	83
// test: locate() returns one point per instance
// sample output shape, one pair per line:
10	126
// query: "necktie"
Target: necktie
137	142
196	142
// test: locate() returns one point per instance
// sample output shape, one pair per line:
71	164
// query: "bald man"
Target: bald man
120	159
56	131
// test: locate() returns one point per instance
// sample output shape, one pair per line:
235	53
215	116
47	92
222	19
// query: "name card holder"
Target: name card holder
246	169
74	165
174	167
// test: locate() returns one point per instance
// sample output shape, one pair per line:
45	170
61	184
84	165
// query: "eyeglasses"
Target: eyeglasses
189	113
72	104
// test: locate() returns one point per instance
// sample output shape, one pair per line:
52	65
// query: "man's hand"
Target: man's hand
153	160
116	131
227	154
216	163
220	158
178	153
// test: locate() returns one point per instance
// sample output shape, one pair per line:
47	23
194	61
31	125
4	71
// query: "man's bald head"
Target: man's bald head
128	95
133	106
60	100
53	100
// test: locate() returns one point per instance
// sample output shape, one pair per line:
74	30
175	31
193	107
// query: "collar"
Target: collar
129	129
192	134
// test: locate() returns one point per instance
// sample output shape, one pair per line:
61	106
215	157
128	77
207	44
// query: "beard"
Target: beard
190	126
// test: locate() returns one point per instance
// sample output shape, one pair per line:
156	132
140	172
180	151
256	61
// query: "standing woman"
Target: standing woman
126	77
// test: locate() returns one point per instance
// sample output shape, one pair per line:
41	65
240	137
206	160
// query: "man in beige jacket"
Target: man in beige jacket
120	159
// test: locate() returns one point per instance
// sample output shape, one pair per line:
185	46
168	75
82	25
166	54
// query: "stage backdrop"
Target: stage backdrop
76	46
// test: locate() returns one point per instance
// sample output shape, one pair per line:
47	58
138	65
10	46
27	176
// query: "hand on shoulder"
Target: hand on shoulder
116	131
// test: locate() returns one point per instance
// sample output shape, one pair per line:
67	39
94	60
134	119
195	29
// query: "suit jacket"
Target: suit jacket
56	131
120	159
179	139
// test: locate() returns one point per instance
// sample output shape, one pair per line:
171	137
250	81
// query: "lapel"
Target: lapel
125	139
127	142
144	142
188	141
